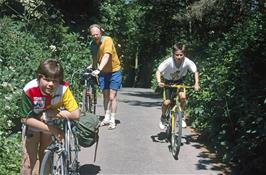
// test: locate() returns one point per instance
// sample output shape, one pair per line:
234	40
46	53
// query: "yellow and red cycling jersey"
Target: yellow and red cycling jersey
34	102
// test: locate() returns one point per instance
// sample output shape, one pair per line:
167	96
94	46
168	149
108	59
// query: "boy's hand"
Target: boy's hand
196	87
58	133
53	113
160	84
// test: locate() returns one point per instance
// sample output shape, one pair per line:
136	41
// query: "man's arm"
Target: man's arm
196	79
104	61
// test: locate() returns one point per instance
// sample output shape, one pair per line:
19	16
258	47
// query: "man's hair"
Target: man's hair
179	46
51	68
97	26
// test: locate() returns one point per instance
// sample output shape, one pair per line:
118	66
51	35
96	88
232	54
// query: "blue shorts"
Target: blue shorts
110	80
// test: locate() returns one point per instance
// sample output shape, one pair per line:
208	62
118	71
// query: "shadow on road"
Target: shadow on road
140	103
151	98
142	94
206	157
89	169
160	137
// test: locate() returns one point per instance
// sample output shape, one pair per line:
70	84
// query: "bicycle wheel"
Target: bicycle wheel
86	105
72	149
94	101
87	101
168	128
53	164
176	134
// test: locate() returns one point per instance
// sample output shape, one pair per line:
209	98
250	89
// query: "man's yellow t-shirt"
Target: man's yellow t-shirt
107	46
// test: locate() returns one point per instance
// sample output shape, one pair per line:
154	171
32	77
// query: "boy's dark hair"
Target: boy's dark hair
51	68
179	46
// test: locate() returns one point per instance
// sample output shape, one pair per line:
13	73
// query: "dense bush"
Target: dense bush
20	53
231	107
225	38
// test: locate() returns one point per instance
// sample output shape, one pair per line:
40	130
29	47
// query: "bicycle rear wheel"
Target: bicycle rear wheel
176	134
53	164
94	101
86	100
89	100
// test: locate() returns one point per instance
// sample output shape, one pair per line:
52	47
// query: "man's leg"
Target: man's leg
115	84
113	107
106	104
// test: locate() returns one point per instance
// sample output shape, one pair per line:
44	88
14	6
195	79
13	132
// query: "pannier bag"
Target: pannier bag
88	129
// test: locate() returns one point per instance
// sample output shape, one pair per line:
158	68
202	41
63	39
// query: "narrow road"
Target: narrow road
137	146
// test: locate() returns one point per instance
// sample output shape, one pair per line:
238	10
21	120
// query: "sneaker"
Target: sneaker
111	125
105	122
184	125
163	123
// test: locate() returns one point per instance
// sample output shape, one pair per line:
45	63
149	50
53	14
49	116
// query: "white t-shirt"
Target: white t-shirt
169	70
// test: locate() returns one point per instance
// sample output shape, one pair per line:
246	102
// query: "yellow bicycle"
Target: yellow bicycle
175	115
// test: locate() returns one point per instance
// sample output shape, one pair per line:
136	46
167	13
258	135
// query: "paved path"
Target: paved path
136	145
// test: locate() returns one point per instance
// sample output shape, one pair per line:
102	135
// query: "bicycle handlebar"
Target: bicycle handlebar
178	86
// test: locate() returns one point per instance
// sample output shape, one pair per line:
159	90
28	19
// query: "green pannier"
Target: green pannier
88	129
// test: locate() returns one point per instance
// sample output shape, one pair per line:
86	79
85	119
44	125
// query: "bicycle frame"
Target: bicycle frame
89	97
62	158
175	121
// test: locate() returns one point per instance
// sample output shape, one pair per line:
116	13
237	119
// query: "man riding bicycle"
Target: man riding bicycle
173	70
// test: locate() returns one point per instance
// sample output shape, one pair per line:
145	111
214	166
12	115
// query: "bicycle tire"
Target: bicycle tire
176	134
168	128
94	100
72	149
86	105
56	162
89	100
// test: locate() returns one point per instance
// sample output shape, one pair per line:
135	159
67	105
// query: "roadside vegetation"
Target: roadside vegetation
225	38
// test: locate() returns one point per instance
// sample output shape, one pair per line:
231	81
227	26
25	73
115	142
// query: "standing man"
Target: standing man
107	64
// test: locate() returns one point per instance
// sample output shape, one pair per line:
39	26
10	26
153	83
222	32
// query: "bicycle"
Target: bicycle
174	126
89	93
62	158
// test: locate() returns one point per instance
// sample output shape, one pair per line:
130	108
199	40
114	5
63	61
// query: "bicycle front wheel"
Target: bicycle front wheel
53	164
72	148
176	134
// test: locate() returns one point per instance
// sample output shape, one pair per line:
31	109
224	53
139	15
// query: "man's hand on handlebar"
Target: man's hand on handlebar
95	72
89	67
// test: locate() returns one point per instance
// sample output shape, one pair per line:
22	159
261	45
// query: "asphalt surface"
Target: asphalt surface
137	145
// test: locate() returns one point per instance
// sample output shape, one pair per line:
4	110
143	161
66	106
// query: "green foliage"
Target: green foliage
226	39
231	102
23	44
10	153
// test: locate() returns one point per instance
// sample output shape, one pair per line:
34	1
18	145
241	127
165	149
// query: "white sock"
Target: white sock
107	115
112	120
